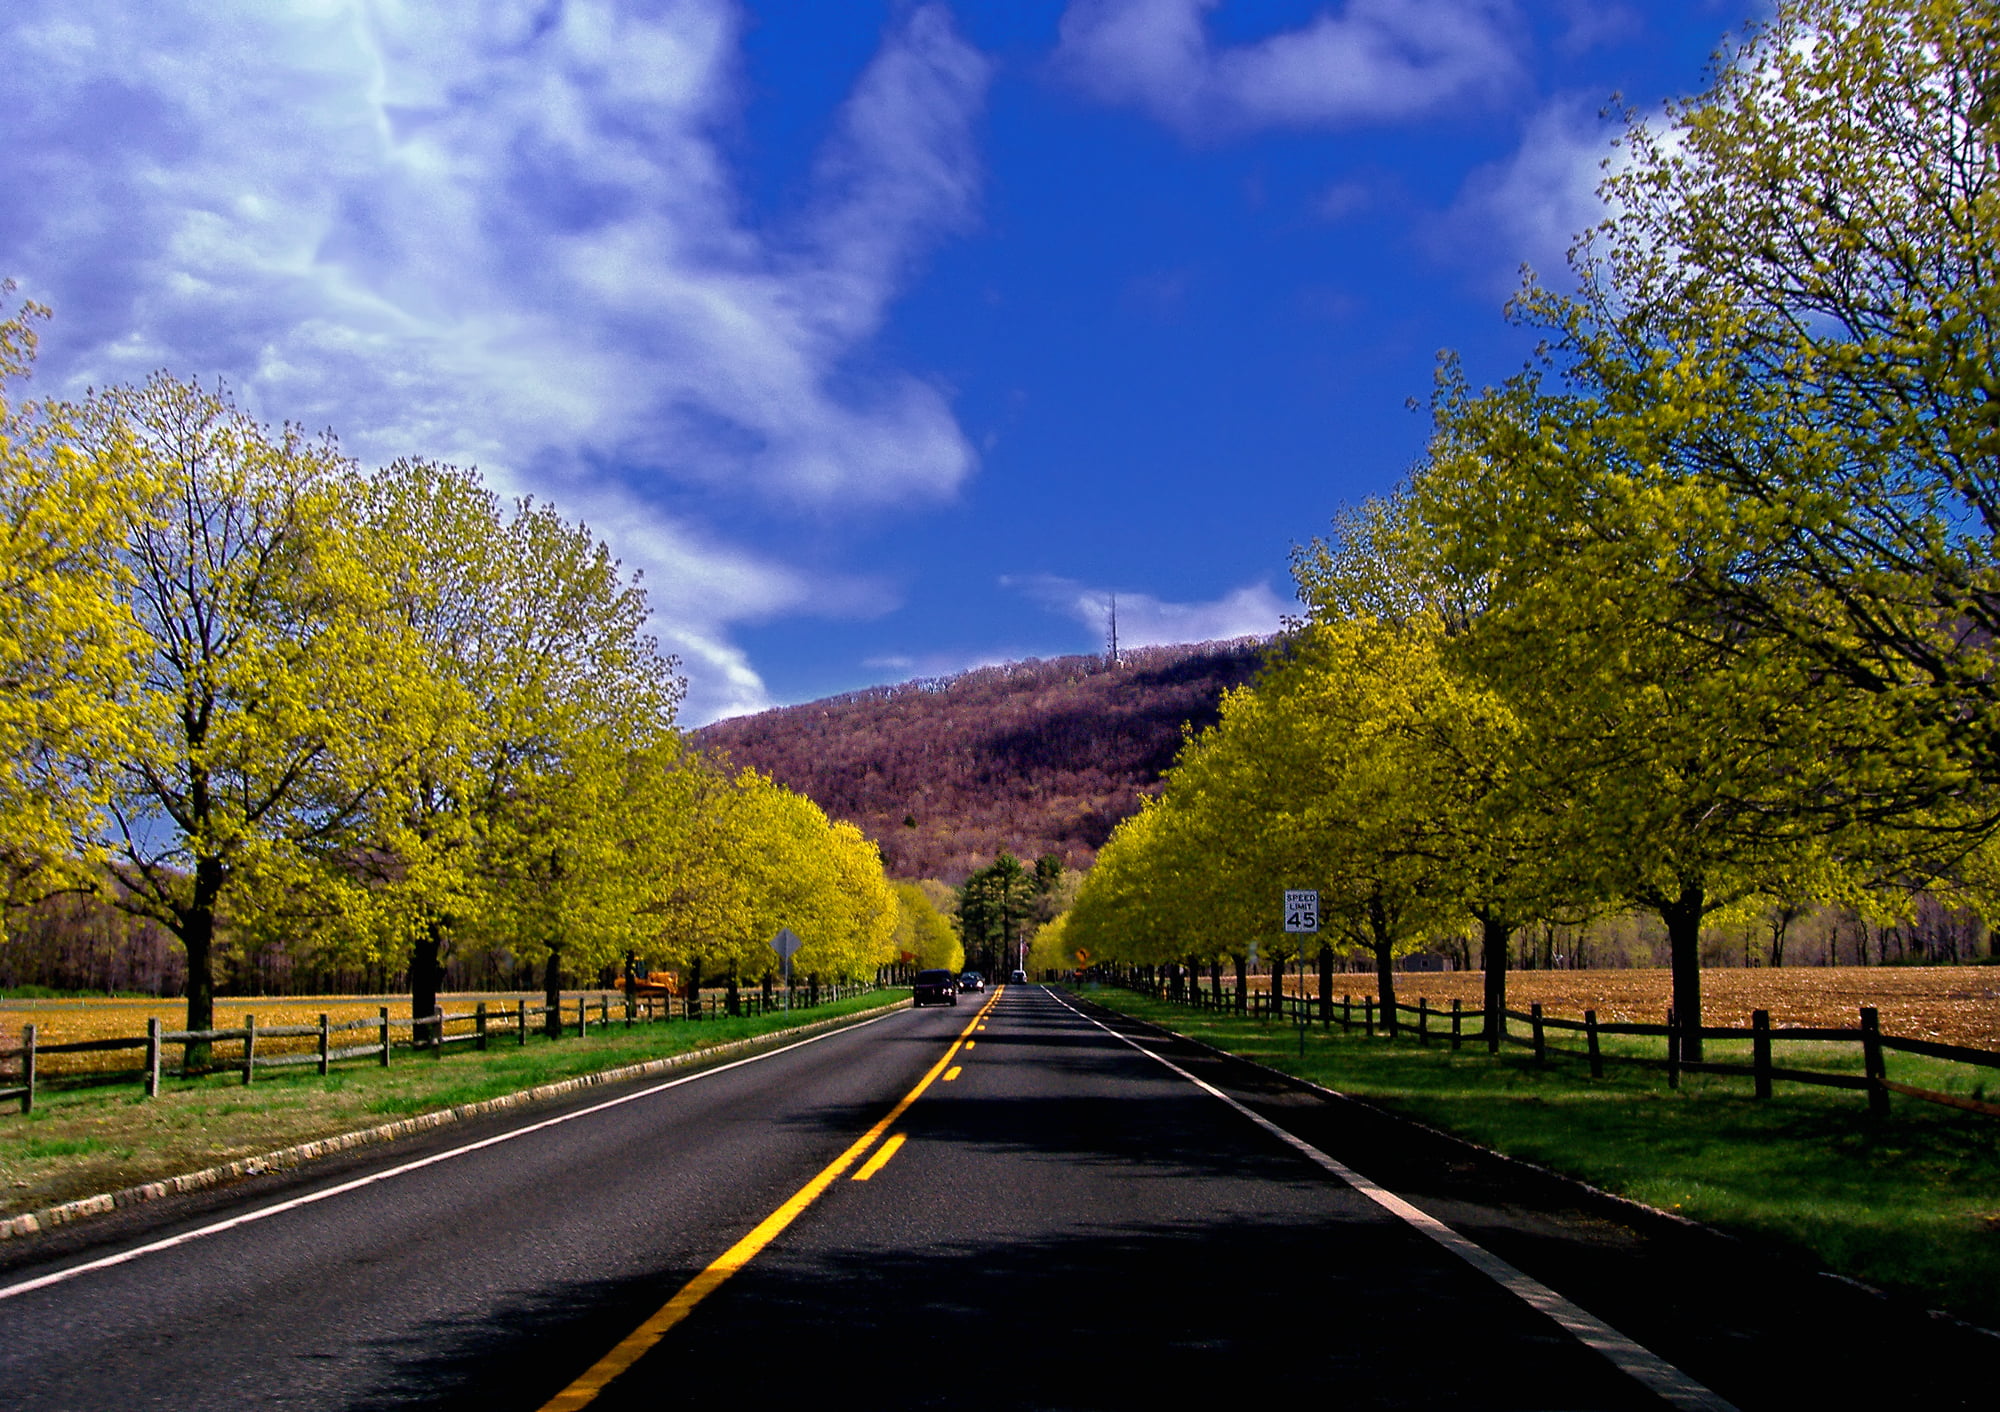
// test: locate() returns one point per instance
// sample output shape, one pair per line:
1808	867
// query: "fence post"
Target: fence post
479	1027
1423	1020
1871	1062
582	1017
1590	1042
384	1012
1496	1028
437	1032
604	1011
153	1057
521	1023
28	1068
1346	1012
1457	1022
1673	1051
249	1046
1535	1021
325	1044
1368	1016
1760	1050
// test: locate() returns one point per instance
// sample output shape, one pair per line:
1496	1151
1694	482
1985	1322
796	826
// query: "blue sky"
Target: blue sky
885	339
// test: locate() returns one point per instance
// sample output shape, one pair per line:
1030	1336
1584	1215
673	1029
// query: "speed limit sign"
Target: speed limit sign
1301	910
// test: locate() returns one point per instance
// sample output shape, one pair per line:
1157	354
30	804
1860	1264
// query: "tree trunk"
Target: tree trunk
1215	981
1325	982
1683	916
1242	983
1495	936
694	987
1384	947
734	999
198	940
1385	983
552	994
1277	984
427	969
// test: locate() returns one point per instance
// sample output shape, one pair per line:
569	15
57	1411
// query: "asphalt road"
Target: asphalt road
1066	1222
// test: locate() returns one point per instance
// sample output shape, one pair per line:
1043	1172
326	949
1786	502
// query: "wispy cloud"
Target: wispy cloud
1530	208
509	236
1371	61
1147	621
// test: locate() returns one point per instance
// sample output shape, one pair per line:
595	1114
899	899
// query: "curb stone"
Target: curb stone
33	1222
1622	1205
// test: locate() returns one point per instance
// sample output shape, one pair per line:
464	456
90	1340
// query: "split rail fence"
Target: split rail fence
1458	1024
479	1027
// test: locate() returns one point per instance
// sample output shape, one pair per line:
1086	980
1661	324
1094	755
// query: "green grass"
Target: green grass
1910	1203
83	1141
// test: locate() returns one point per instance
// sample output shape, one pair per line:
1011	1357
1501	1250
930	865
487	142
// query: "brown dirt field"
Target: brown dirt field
1954	1004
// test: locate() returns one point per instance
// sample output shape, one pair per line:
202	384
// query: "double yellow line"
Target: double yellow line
640	1341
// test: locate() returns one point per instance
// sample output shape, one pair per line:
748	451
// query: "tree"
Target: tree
1788	325
68	652
1488	842
924	936
1679	763
994	908
555	721
278	696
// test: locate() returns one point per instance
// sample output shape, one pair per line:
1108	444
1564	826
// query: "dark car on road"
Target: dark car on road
972	983
936	988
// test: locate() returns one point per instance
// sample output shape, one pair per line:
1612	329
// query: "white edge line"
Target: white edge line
279	1208
1629	1356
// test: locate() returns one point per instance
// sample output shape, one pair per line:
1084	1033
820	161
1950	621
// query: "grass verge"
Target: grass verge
85	1141
1910	1203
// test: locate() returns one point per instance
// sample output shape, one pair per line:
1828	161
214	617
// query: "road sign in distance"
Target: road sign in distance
786	942
1302	910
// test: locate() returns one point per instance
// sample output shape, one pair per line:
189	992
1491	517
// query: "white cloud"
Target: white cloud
1145	621
1530	208
504	235
1373	61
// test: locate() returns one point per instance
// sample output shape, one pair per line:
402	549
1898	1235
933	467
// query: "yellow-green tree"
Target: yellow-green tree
68	653
1793	310
278	696
533	800
759	858
924	936
1674	763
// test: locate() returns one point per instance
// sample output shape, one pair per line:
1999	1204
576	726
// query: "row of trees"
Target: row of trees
1002	906
247	688
1699	610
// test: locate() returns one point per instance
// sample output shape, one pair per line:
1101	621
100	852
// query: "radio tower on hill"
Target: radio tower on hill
1111	658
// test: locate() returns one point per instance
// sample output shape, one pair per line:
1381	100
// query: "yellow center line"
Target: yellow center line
881	1158
951	1073
636	1344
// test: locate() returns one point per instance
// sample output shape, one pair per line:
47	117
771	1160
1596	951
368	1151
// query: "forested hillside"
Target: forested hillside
1033	757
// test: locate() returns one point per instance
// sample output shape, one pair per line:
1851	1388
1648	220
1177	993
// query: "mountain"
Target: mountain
1033	757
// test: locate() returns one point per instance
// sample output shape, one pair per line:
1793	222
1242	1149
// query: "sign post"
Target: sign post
785	943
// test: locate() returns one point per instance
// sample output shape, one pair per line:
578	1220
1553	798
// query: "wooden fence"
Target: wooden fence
1455	1025
479	1027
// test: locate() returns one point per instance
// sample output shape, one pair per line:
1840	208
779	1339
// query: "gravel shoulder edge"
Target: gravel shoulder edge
34	1222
